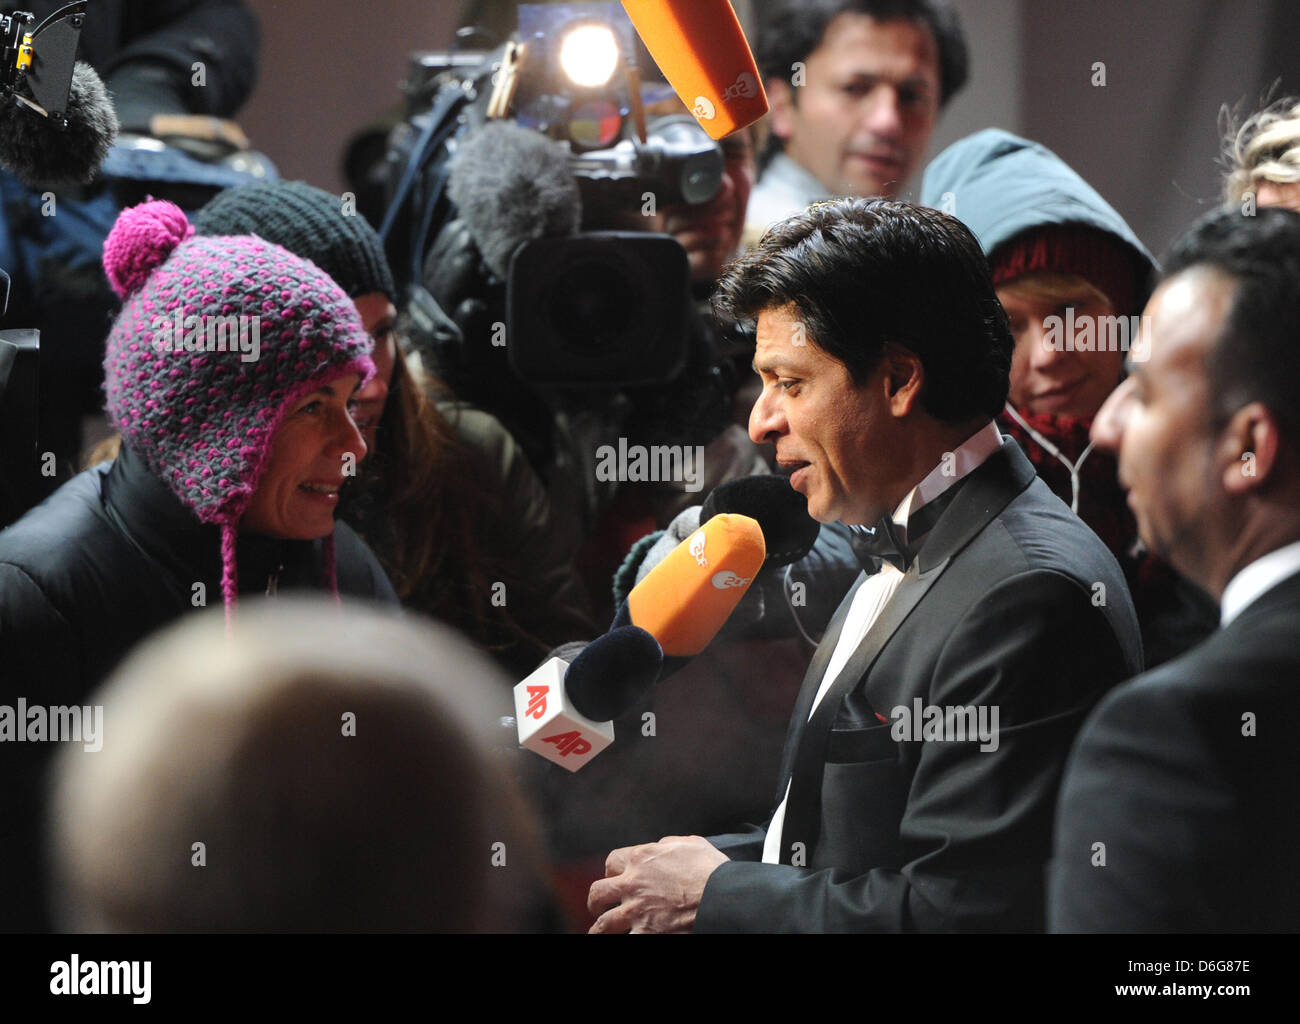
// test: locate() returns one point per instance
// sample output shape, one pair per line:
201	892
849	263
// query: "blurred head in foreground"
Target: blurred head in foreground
320	772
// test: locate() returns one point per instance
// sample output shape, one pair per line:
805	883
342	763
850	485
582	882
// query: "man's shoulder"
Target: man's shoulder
1248	665
1037	532
1036	561
1204	823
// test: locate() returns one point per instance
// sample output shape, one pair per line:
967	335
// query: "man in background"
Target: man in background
856	87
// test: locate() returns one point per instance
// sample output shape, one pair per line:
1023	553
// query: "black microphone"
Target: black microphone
782	513
613	672
512	185
789	532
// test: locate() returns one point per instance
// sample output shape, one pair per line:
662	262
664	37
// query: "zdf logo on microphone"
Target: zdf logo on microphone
697	549
744	87
728	580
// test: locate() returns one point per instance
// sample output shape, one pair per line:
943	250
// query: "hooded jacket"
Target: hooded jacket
105	561
1001	186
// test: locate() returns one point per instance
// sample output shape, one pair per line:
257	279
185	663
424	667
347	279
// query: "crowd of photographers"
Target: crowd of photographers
381	438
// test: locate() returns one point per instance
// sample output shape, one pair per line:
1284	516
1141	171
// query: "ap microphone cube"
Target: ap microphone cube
548	723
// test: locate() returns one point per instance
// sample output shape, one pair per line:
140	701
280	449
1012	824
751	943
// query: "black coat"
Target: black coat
1000	609
1189	778
105	561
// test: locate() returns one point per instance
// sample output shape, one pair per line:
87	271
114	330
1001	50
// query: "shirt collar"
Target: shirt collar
954	466
1261	575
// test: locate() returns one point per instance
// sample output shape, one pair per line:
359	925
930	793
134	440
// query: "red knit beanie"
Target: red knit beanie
1100	258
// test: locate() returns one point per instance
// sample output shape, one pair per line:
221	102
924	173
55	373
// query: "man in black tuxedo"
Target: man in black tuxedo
920	772
1180	811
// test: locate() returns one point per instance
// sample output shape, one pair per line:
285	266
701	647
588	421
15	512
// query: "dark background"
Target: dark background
1148	141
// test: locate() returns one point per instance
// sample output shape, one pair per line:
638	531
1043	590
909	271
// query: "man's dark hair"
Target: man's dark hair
1257	355
792	32
863	272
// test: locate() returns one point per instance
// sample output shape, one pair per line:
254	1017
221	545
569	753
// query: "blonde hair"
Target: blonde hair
1053	286
1266	147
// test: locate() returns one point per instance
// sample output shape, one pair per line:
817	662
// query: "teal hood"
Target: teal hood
1000	185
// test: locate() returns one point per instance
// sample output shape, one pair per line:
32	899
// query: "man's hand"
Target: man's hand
655	887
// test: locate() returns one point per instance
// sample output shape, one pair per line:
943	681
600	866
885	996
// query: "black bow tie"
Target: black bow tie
888	543
899	545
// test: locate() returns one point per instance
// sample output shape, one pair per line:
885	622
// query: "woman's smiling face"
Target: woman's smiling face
299	490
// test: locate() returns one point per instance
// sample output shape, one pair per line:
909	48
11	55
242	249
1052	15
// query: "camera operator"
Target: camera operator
581	342
600	345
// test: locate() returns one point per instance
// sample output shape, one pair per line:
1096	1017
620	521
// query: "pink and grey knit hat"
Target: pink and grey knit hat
201	400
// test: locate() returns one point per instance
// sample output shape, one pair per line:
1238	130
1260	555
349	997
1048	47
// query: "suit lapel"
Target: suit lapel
803	809
812	681
908	595
981	498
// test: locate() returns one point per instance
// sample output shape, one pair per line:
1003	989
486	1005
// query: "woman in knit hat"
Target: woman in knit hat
228	373
1073	278
446	499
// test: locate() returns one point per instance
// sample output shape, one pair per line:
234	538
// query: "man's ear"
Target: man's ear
1248	448
780	98
904	376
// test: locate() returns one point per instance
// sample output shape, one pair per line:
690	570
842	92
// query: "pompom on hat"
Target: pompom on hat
217	339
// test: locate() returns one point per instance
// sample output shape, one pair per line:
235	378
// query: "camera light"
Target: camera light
589	55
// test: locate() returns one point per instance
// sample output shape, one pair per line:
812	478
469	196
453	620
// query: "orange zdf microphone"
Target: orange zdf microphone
565	712
701	49
688	596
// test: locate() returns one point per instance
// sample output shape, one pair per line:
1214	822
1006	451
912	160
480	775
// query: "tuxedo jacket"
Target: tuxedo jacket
1011	604
1180	810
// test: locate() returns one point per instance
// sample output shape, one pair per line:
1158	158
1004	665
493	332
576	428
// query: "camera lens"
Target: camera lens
593	305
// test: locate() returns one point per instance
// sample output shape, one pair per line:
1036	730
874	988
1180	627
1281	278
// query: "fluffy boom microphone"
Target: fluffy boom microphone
701	49
39	153
511	186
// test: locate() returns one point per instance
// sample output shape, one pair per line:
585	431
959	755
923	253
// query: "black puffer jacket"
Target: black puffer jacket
105	561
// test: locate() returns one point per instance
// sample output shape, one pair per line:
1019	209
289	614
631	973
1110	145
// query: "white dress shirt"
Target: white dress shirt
875	592
1261	575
